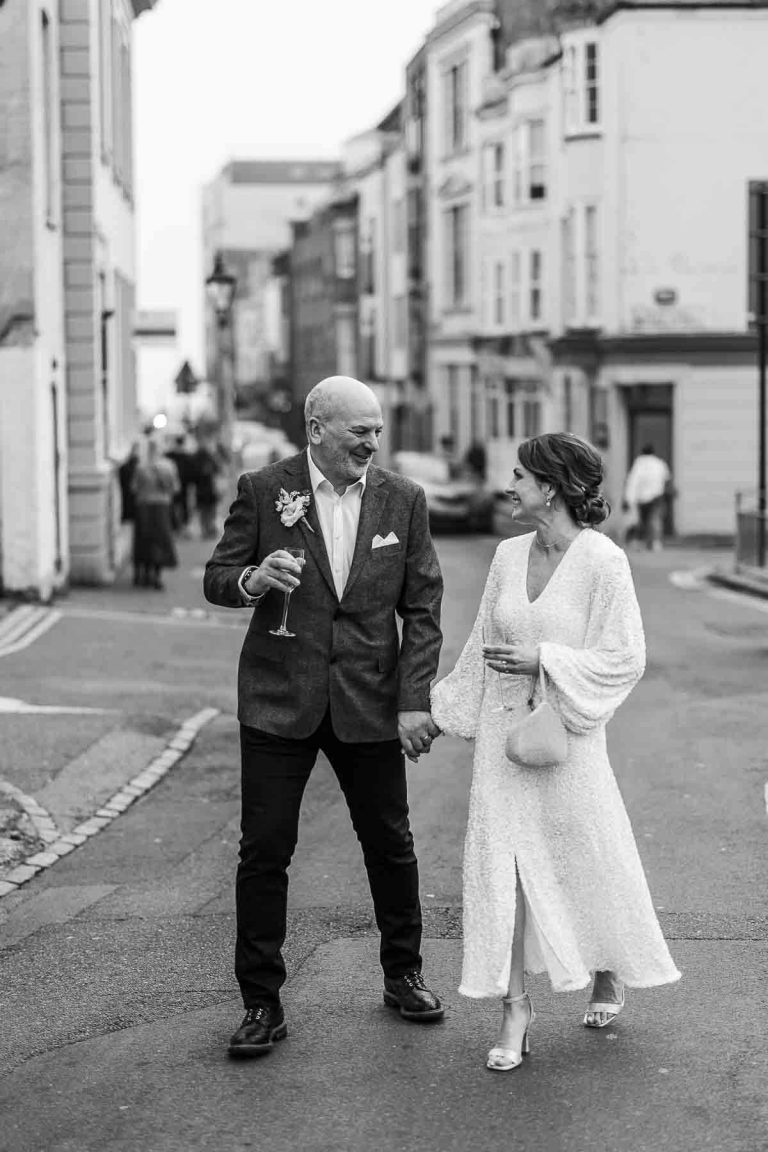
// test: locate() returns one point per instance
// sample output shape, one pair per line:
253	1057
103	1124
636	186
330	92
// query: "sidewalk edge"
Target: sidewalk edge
175	748
737	583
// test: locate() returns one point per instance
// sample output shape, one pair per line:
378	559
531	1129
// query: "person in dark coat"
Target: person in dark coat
154	485
125	477
205	471
180	456
347	683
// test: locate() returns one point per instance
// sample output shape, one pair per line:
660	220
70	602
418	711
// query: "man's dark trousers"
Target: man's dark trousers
275	771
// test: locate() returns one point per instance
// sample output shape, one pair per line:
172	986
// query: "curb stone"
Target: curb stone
45	829
58	845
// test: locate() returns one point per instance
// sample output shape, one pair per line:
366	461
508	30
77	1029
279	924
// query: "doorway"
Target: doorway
650	421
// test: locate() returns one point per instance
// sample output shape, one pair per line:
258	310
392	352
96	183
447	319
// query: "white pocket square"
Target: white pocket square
383	541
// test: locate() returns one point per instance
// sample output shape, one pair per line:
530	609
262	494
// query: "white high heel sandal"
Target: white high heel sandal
608	1008
501	1059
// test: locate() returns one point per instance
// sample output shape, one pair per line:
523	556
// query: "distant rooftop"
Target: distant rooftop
281	171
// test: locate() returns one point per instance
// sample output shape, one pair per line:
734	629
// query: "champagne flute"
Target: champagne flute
298	554
488	639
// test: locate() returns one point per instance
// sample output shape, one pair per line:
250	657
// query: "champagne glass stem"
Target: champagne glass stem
286	602
502	706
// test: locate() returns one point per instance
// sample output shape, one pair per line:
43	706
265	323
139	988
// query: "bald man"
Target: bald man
344	683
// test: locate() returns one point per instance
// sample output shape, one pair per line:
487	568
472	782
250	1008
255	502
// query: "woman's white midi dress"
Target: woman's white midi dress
565	828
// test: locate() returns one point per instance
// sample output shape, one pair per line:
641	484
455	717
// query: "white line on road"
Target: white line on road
10	705
185	617
39	626
19	621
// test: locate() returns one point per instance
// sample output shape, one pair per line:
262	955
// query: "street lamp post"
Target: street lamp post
758	292
221	286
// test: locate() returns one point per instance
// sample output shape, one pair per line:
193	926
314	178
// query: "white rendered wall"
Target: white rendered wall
685	127
28	516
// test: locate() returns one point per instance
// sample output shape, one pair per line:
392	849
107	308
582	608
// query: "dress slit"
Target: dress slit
539	954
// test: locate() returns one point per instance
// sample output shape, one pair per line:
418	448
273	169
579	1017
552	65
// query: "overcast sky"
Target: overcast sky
218	79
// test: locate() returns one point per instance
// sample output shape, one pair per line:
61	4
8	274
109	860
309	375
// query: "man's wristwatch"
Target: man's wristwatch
245	576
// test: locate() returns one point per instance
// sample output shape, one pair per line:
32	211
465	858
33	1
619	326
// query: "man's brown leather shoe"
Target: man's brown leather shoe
410	995
260	1028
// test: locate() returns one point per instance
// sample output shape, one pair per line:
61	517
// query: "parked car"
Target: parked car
256	445
455	504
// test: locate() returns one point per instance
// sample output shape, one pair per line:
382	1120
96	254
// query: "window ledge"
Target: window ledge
457	155
458	310
531	205
592	133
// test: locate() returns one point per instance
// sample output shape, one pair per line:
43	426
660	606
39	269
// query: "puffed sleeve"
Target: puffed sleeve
456	699
587	685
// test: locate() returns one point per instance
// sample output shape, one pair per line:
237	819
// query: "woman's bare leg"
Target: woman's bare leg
516	1015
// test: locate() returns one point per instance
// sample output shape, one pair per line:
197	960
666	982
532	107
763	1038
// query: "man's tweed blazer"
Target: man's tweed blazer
348	653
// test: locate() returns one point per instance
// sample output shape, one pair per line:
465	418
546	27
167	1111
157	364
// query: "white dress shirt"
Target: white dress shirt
647	480
339	517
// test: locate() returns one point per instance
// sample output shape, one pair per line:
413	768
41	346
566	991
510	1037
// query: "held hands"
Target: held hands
416	730
279	570
512	659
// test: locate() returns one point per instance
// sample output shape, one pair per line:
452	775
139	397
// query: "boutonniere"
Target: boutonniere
292	507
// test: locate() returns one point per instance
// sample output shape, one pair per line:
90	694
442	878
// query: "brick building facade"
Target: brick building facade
323	301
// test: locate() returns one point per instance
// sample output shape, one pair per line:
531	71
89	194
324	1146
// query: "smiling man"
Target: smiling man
343	683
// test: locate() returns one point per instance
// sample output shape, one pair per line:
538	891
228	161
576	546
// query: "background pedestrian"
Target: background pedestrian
125	475
205	468
180	508
155	482
646	492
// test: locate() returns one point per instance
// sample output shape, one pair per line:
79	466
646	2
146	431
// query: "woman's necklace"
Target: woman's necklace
564	542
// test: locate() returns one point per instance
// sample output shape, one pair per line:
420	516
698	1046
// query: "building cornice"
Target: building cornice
615	6
595	346
456	19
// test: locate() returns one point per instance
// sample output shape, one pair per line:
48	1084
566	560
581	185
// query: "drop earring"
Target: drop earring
548	501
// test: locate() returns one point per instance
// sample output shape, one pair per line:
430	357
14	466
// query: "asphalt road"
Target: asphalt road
116	990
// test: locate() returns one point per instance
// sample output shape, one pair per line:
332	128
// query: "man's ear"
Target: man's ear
313	431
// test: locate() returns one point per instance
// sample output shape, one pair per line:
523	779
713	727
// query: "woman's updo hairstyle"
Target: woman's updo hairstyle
573	468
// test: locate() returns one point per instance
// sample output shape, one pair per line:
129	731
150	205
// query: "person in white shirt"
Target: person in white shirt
645	493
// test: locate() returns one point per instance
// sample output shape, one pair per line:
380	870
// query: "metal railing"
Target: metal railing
751	533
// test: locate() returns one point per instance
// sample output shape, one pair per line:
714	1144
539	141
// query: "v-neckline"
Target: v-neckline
557	569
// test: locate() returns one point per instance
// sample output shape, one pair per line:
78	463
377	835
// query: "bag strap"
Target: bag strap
541	677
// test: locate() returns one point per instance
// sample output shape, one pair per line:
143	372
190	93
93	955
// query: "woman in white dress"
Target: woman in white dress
552	878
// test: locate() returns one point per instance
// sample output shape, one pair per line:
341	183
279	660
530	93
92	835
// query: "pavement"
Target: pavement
116	986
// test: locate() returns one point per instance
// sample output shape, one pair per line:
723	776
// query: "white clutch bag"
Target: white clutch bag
539	739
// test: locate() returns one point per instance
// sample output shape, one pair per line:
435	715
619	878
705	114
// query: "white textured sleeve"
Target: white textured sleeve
456	699
588	684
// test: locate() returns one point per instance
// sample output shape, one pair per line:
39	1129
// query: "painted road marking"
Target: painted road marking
30	628
186	617
18	621
9	705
